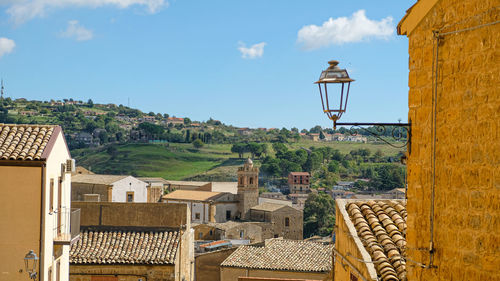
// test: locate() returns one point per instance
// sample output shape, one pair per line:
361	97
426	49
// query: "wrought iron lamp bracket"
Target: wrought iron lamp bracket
382	128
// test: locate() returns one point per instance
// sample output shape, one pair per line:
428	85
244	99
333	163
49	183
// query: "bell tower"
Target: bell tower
248	188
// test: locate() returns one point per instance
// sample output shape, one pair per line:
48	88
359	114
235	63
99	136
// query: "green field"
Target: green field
177	161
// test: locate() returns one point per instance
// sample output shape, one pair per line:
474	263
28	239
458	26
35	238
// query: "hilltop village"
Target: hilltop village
107	193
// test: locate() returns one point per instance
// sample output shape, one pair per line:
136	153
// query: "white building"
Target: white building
108	188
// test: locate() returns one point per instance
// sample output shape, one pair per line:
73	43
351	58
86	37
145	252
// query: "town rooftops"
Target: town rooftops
27	142
280	254
192	195
379	229
268	207
125	247
96	179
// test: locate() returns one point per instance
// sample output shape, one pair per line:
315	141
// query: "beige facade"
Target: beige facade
233	273
453	166
35	183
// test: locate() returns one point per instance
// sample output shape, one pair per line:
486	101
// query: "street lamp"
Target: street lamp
335	75
30	262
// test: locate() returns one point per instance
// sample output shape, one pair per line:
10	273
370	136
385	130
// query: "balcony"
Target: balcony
66	226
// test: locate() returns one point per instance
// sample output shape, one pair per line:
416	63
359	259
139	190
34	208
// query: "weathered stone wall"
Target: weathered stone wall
207	265
294	230
123	272
467	147
78	190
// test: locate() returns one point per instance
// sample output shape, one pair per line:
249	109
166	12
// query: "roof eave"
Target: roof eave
414	16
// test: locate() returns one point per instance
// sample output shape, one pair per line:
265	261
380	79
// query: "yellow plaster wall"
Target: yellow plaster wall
345	245
123	272
467	144
232	274
20	206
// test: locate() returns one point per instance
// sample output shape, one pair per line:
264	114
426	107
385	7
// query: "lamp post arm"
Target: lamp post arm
381	130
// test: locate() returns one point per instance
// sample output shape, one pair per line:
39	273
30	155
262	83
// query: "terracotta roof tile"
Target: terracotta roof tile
125	247
24	142
381	227
280	254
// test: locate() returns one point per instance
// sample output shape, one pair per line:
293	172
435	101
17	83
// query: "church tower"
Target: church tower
248	188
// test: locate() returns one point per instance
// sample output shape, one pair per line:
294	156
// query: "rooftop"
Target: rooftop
125	247
380	226
25	142
268	207
280	254
96	179
192	195
299	173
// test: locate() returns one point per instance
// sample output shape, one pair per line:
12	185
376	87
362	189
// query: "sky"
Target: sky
246	63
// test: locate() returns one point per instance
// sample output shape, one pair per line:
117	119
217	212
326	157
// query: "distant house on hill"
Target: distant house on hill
299	182
175	120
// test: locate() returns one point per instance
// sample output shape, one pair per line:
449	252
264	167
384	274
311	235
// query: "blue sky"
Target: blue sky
246	63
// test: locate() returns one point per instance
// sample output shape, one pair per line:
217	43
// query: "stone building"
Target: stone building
248	188
278	221
370	240
35	206
130	242
298	182
108	188
231	230
206	206
279	258
453	162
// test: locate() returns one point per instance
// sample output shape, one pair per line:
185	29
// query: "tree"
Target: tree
90	103
319	215
187	121
198	143
239	148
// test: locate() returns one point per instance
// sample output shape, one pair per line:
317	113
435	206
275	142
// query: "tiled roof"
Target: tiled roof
192	195
268	207
24	142
381	227
125	247
280	254
96	178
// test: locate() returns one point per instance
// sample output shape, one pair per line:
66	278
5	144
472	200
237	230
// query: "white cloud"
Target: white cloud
22	11
344	30
255	51
6	46
77	31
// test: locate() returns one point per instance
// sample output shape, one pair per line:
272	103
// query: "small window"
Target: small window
200	235
287	222
211	232
228	215
51	195
197	216
130	196
275	235
242	234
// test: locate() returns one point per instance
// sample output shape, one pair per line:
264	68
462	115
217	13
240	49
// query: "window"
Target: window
228	215
353	278
200	235
287	221
275	235
59	206
251	180
130	196
197	216
211	232
242	234
51	195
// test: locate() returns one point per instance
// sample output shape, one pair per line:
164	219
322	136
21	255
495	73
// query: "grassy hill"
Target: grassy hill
177	161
